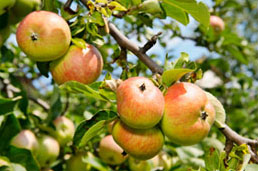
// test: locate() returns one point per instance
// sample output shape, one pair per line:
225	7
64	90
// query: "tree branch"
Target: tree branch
131	46
67	7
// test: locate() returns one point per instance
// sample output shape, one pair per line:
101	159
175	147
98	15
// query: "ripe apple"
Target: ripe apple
76	161
110	126
43	36
64	130
110	152
140	103
188	114
141	144
82	65
5	5
48	150
217	23
22	8
26	139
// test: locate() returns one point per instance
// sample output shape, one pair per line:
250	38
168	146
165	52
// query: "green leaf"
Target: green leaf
55	105
172	75
49	5
7	105
236	53
116	6
76	87
212	159
79	42
96	163
43	68
8	130
220	111
183	59
199	11
90	128
96	18
24	157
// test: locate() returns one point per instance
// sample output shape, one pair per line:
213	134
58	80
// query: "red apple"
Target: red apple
82	65
188	114
217	23
141	144
110	152
43	36
140	103
64	130
26	139
48	150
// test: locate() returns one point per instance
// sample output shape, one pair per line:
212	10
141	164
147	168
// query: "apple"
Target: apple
4	161
137	165
140	104
48	150
217	23
22	8
26	139
188	114
110	126
43	36
76	161
110	152
141	144
64	130
78	64
5	5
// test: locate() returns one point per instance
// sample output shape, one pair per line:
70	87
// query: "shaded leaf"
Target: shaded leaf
172	75
7	105
90	128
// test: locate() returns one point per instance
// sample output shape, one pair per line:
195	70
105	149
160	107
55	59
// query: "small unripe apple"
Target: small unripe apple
5	5
4	34
188	114
22	8
217	23
76	162
110	152
26	139
152	7
82	65
64	130
4	161
48	150
141	144
43	36
136	165
140	104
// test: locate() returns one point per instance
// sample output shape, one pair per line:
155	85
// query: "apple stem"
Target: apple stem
142	87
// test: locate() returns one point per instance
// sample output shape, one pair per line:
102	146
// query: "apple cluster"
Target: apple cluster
46	148
46	37
184	115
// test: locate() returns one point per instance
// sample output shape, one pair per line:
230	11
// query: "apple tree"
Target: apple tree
128	85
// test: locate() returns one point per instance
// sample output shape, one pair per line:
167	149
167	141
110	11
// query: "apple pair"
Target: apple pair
45	36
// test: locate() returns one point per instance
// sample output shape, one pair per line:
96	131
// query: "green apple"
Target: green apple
22	8
140	104
78	64
4	162
43	36
76	161
48	150
188	114
141	144
110	152
5	5
64	130
26	139
4	34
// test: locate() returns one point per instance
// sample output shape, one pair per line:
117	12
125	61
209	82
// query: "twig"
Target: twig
150	43
66	105
40	102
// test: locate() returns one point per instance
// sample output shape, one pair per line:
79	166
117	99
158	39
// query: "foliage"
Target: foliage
30	99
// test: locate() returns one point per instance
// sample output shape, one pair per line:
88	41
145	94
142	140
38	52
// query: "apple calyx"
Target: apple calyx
34	37
142	87
124	153
204	115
